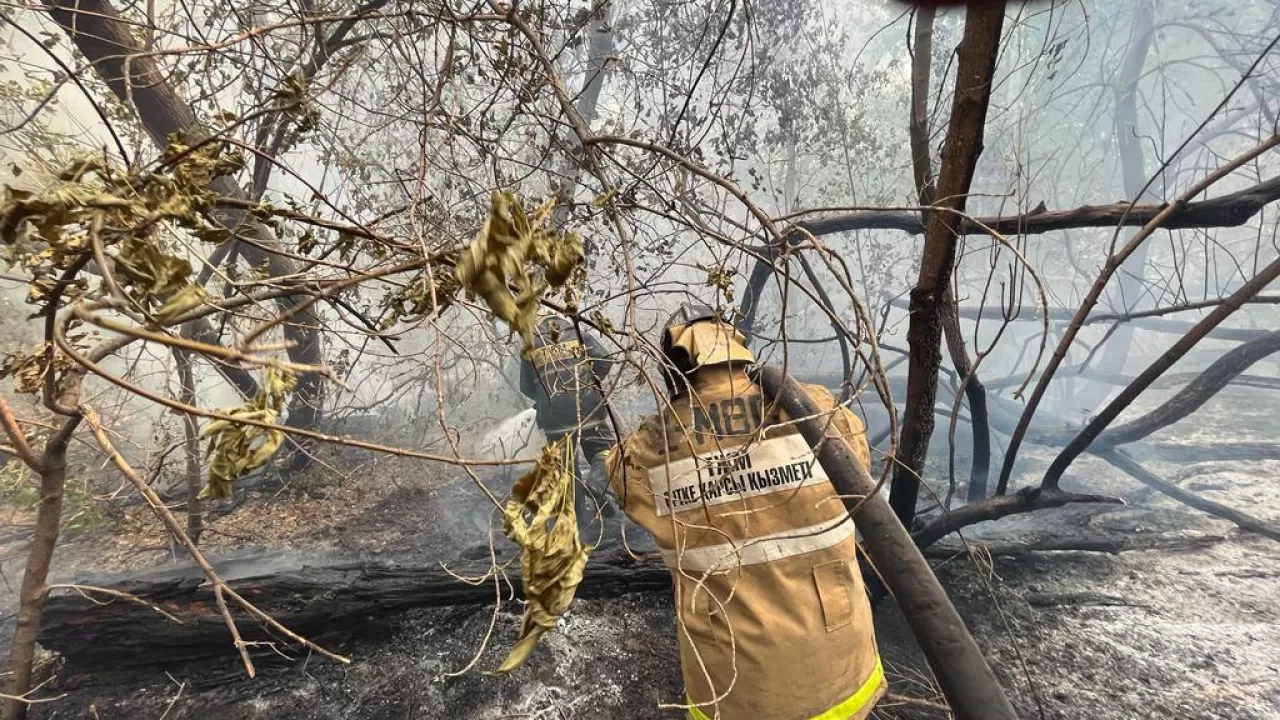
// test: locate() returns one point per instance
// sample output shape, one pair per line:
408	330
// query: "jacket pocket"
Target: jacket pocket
834	580
704	619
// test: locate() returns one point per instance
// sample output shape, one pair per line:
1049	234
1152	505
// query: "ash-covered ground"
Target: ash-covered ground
1188	631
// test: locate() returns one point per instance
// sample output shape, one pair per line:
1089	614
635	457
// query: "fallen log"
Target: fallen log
327	601
340	599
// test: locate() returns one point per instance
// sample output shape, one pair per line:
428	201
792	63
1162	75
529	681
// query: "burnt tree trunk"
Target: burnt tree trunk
976	68
975	393
1228	210
324	602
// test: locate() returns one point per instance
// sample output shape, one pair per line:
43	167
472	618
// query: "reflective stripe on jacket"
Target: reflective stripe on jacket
773	620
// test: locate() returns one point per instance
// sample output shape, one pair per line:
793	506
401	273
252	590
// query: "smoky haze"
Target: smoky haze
1030	362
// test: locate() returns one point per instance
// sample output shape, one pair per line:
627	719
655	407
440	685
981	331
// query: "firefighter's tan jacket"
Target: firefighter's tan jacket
773	620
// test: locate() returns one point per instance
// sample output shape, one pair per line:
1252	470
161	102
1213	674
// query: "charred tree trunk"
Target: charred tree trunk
749	306
962	672
976	68
324	602
976	395
32	595
101	35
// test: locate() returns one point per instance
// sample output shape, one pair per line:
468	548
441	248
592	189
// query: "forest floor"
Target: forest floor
1170	633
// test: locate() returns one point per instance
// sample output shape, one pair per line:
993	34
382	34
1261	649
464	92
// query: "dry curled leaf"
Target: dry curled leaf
28	371
516	250
234	448
124	211
554	557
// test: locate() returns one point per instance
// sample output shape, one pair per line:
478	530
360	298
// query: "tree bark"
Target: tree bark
976	68
600	49
966	679
32	594
921	164
100	34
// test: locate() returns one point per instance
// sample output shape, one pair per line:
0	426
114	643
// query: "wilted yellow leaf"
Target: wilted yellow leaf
235	449
515	250
553	556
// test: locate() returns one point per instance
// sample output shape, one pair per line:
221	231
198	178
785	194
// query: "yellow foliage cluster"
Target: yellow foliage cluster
517	250
553	559
47	232
235	449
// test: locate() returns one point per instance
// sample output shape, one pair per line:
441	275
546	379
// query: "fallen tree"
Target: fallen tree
329	602
344	598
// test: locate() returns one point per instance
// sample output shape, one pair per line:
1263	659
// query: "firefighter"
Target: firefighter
773	621
563	374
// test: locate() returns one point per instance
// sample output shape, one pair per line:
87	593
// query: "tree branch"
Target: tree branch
1028	499
1207	384
1123	461
18	438
1114	261
1230	210
1184	344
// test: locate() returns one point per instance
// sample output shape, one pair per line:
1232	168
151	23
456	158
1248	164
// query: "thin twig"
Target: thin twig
175	528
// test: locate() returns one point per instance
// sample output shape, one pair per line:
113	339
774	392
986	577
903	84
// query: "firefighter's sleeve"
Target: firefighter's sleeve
846	423
626	478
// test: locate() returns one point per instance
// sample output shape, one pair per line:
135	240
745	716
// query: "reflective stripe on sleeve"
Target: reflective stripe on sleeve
854	704
763	549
